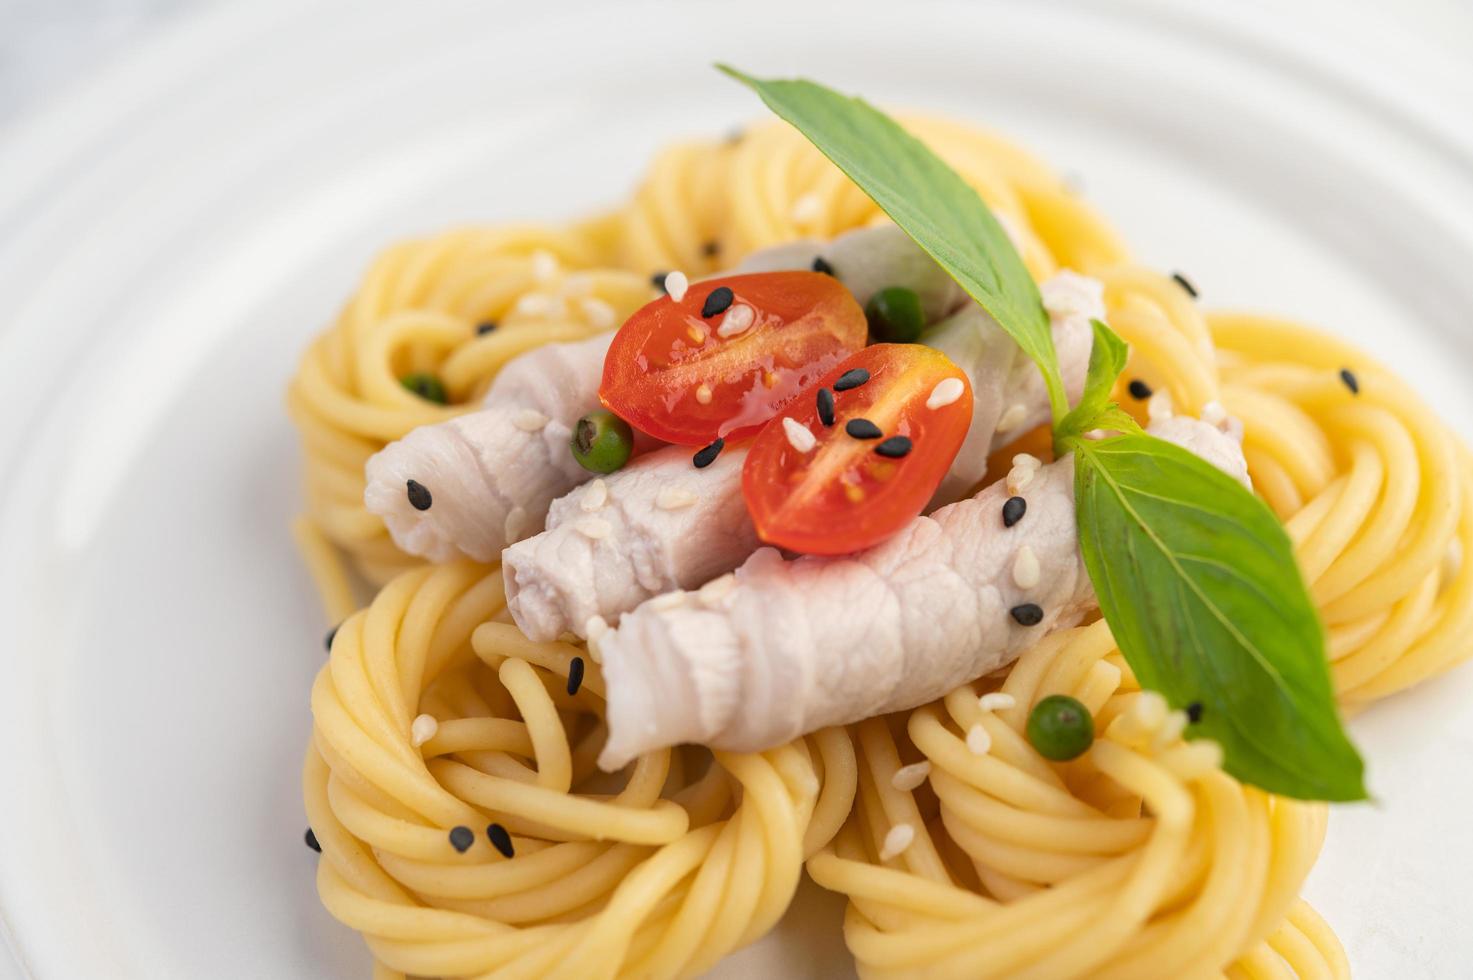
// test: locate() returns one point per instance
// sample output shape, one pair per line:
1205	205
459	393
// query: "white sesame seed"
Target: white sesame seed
674	498
594	528
668	600
738	319
541	305
1170	730
595	628
595	651
799	436
1018	479
544	266
516	521
594	497
1149	710
1213	413
996	701
978	741
530	420
897	840
576	284
716	590
946	391
598	313
1026	572
703	393
676	284
1159	408
1012	418
807	209
910	777
422	729
1027	459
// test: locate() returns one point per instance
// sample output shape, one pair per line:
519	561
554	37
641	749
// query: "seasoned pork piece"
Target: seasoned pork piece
561	578
656	525
782	648
474	484
1008	395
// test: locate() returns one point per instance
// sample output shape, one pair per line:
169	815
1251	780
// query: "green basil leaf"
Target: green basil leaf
1106	361
929	201
1198	582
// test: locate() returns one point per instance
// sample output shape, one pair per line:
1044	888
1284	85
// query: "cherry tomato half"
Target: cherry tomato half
869	473
720	364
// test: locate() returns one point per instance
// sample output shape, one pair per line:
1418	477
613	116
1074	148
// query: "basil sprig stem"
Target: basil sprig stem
1194	574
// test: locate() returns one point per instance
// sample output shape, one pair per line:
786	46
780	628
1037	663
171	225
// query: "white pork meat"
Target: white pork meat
782	648
658	524
478	482
559	579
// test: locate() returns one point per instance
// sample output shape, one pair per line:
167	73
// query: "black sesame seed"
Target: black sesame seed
711	249
894	447
419	496
1351	381
851	379
461	838
821	264
575	675
501	840
483	329
330	635
1028	614
311	840
1139	390
1013	510
717	302
1184	283
862	429
658	280
1194	712
825	406
707	456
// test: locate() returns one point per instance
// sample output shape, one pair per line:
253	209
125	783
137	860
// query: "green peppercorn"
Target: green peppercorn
602	442
1060	728
895	315
426	386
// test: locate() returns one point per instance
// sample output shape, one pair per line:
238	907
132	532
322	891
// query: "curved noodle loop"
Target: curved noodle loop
1140	859
420	308
656	873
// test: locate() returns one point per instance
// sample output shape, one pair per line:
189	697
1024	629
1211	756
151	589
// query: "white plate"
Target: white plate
172	234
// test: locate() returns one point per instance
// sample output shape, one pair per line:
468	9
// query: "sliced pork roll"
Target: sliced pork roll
656	525
782	648
478	482
558	580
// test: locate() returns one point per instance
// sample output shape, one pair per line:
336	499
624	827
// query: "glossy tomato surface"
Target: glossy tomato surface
688	375
853	489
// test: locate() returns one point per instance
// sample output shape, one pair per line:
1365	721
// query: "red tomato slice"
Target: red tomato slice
689	379
847	493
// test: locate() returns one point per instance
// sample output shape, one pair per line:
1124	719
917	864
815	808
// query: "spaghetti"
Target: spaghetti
1141	858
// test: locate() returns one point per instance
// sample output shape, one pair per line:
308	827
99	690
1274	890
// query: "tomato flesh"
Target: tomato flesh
844	494
687	378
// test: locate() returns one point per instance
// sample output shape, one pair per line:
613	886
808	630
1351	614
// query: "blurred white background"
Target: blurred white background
48	44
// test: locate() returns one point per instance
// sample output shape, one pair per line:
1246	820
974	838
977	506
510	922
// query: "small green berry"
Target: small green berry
1060	728
602	441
